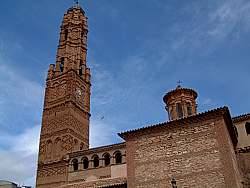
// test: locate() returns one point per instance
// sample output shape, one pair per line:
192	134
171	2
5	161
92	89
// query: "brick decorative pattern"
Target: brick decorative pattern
97	184
244	164
52	174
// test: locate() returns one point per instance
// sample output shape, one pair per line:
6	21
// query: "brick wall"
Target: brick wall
197	154
51	175
244	164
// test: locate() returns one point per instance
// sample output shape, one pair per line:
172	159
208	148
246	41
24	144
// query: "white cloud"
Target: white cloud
18	93
19	156
101	133
104	86
110	88
18	89
229	16
18	148
207	101
208	24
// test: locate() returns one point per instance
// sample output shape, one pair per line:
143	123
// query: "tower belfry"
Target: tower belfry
72	49
66	112
180	102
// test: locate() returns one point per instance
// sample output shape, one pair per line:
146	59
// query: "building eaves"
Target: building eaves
223	111
178	121
98	149
242	117
244	150
177	90
111	185
76	7
4	182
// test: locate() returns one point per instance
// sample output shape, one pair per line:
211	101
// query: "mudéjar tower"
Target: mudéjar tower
66	112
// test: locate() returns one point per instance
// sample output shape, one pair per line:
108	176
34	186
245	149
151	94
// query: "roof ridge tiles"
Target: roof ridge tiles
224	108
241	117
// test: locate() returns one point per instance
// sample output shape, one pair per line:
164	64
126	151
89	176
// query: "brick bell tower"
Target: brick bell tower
66	113
180	103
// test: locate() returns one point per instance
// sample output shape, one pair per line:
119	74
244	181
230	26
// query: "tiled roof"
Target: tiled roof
76	7
243	150
197	116
111	185
241	118
4	182
187	120
179	89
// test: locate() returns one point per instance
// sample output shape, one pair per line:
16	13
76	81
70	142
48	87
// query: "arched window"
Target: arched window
118	157
189	108
81	146
66	34
106	157
171	114
80	69
49	149
76	145
179	110
247	127
85	162
57	147
95	161
75	164
62	64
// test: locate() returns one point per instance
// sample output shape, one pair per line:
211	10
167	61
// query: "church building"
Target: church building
191	149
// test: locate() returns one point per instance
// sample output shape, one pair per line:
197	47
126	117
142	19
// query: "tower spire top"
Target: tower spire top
179	84
180	102
77	2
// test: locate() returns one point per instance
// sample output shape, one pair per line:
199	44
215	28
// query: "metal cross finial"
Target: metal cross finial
178	84
77	2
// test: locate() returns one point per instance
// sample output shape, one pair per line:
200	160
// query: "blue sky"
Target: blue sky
137	51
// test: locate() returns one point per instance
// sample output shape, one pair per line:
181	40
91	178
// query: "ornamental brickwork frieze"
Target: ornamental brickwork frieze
57	91
114	182
42	151
52	170
55	148
64	121
67	143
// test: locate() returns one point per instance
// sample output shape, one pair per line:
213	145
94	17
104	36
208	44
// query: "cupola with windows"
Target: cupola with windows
180	103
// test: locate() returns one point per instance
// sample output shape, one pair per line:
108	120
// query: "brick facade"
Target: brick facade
198	152
243	147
